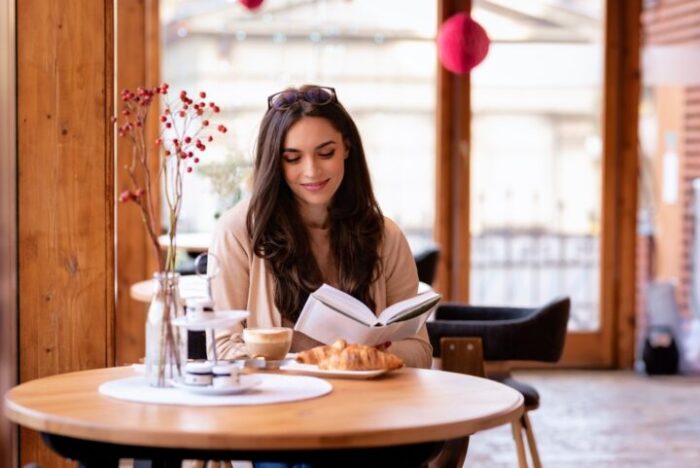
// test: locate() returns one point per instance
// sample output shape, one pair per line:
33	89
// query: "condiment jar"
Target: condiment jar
198	373
197	309
225	375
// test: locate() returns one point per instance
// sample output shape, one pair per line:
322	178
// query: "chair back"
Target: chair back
507	333
426	263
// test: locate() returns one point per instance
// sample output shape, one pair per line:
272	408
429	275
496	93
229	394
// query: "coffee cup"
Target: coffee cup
272	343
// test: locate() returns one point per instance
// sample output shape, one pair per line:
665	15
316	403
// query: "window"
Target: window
536	156
379	56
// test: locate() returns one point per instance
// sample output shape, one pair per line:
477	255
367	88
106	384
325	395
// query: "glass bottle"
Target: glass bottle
166	344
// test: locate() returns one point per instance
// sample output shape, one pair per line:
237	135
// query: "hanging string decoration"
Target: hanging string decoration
462	43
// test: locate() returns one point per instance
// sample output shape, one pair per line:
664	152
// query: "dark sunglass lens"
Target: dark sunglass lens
284	99
318	96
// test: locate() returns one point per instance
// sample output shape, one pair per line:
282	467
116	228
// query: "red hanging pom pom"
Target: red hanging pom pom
462	44
251	4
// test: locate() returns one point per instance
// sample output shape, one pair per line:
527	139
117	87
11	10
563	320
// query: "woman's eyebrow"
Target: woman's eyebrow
318	147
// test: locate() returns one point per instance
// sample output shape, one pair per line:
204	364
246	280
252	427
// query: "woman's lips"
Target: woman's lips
315	186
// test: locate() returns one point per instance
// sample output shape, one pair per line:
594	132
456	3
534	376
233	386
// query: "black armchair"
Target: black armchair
465	336
426	263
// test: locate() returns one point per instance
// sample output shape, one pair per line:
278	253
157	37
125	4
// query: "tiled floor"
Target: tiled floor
604	419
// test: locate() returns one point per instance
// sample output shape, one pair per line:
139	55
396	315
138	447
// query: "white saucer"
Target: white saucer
312	369
246	382
218	319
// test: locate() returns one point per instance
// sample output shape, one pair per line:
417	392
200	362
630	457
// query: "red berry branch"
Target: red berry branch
185	131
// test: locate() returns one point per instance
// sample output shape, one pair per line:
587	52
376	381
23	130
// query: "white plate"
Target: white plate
246	383
312	369
218	319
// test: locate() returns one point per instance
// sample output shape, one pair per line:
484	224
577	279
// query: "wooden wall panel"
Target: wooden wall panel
138	64
8	226
65	192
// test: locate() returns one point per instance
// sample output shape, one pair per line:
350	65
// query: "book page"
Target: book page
326	325
345	304
410	308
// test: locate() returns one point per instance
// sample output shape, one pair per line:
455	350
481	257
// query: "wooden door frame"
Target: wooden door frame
614	345
8	225
137	64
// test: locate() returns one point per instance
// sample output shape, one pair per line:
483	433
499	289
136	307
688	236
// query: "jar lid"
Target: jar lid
225	369
199	367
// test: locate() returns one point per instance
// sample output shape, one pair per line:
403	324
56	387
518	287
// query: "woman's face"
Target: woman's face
313	162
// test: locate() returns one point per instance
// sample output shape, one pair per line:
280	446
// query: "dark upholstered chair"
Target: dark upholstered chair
465	336
426	263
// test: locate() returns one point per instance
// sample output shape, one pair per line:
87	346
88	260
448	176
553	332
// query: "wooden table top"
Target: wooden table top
196	242
405	407
189	286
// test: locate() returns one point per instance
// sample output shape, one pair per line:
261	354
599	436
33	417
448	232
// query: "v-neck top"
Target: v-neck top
245	282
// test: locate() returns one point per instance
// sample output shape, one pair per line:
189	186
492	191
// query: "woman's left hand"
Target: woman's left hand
384	346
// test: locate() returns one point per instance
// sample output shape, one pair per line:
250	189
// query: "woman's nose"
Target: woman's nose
310	166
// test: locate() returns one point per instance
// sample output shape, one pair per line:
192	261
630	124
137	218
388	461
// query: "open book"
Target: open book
330	314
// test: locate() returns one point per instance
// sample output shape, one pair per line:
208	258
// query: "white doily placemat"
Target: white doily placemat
274	388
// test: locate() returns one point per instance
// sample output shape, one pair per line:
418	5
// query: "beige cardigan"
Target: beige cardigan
244	282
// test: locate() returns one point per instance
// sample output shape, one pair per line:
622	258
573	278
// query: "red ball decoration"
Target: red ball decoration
462	43
251	4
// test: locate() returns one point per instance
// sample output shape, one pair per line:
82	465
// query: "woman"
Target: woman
312	219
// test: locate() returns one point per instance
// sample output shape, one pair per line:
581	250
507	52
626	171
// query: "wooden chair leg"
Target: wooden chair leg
531	443
517	429
452	455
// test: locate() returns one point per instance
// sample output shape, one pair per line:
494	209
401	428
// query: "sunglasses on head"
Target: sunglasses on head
318	95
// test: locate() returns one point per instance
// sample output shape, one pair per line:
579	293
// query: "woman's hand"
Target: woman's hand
302	342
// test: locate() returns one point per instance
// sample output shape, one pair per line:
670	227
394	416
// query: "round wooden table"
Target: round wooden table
403	409
189	286
195	242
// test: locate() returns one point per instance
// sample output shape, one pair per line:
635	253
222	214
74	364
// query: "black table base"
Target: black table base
105	455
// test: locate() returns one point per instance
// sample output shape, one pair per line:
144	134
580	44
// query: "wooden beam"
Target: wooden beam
8	226
65	193
137	64
453	173
629	90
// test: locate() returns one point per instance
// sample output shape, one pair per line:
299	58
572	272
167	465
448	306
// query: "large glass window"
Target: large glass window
379	56
536	162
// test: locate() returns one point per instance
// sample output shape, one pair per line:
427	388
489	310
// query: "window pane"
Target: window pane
536	167
379	56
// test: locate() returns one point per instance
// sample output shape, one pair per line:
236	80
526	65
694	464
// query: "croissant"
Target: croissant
342	356
361	357
320	353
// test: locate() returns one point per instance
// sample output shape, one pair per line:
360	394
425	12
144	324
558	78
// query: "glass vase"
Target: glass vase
166	344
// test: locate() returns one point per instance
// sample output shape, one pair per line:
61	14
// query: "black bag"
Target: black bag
660	353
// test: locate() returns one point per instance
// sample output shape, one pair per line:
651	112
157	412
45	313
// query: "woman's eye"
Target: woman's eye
327	155
291	159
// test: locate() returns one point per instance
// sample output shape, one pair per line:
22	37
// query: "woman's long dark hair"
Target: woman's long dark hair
278	233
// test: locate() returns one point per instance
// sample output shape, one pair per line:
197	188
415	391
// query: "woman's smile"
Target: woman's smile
316	186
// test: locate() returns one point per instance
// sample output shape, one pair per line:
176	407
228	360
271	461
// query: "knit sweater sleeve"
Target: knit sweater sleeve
401	276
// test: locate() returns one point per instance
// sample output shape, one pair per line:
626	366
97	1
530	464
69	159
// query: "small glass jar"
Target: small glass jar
198	373
225	375
198	309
